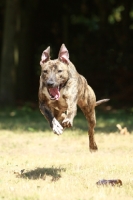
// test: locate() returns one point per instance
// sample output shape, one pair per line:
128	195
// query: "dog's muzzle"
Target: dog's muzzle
54	92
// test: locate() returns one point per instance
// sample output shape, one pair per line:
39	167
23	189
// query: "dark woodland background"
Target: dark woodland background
98	35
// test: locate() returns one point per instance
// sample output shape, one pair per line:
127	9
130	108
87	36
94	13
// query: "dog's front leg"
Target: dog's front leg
70	113
54	124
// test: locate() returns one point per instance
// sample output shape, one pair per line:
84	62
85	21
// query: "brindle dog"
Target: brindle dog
61	89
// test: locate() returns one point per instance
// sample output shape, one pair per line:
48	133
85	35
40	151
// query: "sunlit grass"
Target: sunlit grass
62	167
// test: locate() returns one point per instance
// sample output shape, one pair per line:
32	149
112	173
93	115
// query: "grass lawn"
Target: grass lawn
35	164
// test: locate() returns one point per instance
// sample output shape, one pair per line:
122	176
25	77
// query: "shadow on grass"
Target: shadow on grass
42	173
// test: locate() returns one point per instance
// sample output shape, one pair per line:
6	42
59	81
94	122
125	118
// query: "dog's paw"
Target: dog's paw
57	128
66	123
93	147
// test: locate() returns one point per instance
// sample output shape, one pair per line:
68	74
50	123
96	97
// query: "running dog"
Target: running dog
61	89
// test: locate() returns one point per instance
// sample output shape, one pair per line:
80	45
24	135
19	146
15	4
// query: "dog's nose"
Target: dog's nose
50	83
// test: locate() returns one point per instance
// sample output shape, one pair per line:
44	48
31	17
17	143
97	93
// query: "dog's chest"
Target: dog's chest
58	104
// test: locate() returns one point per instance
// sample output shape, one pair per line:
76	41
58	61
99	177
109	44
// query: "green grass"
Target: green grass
62	167
27	119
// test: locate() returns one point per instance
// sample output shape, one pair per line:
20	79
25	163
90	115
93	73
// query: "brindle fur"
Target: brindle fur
75	91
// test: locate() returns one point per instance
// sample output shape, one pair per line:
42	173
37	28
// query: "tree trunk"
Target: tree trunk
25	49
8	68
25	70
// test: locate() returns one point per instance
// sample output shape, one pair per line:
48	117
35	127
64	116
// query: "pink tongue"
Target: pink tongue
55	93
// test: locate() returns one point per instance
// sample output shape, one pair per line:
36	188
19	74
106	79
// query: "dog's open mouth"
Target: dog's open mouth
54	93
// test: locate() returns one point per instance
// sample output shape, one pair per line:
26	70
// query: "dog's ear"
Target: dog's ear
45	56
64	54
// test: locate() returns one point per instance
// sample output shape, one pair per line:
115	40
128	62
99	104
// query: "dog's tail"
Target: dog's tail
101	101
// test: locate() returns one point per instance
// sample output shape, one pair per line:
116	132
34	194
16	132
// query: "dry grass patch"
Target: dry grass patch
62	167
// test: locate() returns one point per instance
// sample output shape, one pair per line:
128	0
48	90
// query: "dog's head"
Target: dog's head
54	73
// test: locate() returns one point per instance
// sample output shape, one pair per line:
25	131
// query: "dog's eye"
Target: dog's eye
45	71
59	71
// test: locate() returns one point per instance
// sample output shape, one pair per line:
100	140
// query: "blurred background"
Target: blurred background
98	35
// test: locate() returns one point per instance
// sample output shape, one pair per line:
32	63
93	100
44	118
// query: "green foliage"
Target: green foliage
116	14
98	35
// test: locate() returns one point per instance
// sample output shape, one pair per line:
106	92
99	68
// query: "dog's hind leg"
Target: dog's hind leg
92	123
90	116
